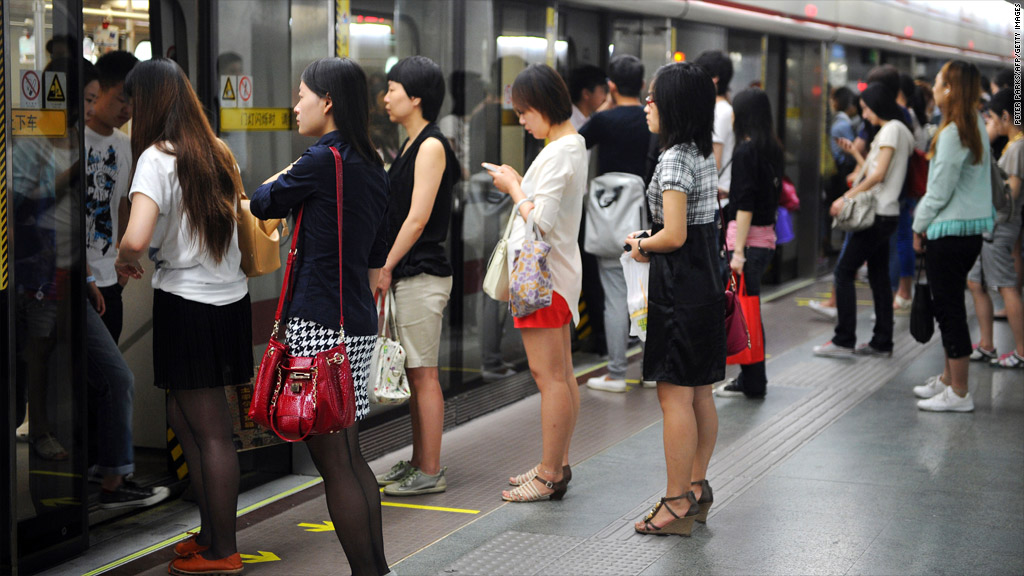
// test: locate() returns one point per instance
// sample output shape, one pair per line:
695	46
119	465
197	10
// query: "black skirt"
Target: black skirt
686	313
200	345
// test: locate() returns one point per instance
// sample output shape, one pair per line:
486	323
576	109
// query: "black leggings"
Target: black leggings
353	499
947	261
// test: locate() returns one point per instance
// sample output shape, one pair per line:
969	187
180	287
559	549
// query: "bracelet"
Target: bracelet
520	203
738	258
640	249
90	279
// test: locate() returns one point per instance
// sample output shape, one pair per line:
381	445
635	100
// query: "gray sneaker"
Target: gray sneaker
396	474
417	483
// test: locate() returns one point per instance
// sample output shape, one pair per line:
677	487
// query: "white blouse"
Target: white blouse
556	183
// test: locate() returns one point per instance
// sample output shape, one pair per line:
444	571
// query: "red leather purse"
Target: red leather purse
298	396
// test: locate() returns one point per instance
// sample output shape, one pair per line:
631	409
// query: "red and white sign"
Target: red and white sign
31	89
245	91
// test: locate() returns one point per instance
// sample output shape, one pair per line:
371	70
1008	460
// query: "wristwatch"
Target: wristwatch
640	249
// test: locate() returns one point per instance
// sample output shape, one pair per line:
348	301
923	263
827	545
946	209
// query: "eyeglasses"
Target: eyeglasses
649	99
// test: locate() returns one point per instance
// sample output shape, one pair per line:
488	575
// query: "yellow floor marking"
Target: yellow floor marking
804	301
260	556
325	526
48	473
435	508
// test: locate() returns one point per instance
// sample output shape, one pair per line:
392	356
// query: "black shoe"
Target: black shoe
731	390
131	495
868	350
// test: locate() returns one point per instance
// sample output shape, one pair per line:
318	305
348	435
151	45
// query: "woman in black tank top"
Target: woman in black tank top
418	271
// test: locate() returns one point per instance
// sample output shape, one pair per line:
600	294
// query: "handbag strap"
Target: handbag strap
286	285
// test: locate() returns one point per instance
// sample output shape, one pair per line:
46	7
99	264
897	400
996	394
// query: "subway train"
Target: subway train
244	58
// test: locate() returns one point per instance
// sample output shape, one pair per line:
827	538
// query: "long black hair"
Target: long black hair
882	101
685	98
345	82
752	118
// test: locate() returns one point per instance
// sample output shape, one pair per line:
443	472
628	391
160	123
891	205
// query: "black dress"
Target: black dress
686	301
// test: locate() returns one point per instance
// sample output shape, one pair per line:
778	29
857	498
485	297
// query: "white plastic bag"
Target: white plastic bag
637	275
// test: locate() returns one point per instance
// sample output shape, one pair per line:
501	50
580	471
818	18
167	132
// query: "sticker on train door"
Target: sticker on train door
228	92
56	90
31	90
244	87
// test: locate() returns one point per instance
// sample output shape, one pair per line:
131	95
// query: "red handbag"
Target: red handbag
751	307
737	336
297	396
917	174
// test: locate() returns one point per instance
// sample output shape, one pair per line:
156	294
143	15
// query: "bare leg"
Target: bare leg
1014	315
904	289
707	434
428	419
983	310
680	438
958	368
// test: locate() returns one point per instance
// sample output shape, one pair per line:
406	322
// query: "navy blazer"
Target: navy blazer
311	184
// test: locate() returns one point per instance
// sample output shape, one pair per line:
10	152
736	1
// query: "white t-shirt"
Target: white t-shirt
897	136
181	268
556	183
724	135
108	166
577	119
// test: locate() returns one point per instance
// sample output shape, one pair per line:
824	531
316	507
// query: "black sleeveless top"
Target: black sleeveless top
428	255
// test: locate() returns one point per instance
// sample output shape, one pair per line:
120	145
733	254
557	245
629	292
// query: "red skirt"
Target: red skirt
554	316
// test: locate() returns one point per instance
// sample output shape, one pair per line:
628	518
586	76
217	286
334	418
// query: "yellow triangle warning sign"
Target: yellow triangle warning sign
56	93
229	90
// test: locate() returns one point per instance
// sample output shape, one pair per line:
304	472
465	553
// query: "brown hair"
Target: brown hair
168	114
539	87
963	81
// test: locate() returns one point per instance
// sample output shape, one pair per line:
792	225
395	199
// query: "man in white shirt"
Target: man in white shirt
718	65
108	154
588	88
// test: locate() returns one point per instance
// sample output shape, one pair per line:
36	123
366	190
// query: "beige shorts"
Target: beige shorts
419	311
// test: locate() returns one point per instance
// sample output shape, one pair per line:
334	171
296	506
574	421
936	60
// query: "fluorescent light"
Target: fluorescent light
375	30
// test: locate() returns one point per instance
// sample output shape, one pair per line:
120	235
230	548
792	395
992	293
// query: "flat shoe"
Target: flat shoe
195	565
189	546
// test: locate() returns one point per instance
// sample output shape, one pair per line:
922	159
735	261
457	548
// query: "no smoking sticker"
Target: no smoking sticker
245	91
31	90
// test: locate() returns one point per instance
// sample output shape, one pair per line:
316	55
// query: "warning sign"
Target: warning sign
228	92
56	95
256	120
31	89
245	92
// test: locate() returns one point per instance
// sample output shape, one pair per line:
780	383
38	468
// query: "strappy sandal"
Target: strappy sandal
49	448
706	499
528	492
680	525
527	476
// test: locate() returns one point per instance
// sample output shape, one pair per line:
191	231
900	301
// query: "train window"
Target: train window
116	25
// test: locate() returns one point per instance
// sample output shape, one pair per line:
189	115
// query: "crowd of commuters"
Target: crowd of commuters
718	157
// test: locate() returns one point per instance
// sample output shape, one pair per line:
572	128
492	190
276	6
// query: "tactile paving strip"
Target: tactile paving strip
511	552
597	557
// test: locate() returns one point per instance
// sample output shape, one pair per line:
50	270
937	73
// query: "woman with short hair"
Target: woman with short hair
685	350
551	193
948	224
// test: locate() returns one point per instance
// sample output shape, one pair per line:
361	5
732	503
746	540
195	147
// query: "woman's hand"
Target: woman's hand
845	145
837	206
737	262
634	248
505	178
919	243
383	281
96	298
129	268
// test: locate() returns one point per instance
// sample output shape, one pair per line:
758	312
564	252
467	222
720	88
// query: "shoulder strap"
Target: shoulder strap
341	274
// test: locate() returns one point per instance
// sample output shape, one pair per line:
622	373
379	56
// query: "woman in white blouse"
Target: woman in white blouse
552	190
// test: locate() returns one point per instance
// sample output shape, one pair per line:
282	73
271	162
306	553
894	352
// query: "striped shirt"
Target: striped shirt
682	168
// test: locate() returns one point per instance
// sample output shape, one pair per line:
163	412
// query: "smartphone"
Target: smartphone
628	248
490	167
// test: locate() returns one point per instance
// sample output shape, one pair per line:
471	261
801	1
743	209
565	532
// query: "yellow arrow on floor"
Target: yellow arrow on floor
260	557
63	501
327	526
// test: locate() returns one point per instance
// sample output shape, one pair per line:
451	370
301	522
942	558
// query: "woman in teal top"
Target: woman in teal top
953	214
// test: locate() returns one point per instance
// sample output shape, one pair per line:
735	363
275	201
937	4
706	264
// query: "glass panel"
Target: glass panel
116	25
647	39
47	281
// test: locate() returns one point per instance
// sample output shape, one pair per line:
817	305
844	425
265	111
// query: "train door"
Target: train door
42	286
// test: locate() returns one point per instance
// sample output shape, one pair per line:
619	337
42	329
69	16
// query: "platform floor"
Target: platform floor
835	472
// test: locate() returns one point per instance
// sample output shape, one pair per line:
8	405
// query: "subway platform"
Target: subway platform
834	472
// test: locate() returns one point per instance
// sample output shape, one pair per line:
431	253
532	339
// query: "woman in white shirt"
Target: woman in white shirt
183	197
551	193
882	175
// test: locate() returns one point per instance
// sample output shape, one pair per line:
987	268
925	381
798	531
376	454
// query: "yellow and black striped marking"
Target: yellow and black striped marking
3	159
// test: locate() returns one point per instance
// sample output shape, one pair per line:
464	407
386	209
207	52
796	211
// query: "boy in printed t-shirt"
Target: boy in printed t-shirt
108	155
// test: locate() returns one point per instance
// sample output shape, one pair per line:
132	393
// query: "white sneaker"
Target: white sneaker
947	401
606	384
492	374
901	303
932	387
649	383
832	351
826	311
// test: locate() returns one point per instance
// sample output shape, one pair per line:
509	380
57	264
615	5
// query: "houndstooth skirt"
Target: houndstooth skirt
306	338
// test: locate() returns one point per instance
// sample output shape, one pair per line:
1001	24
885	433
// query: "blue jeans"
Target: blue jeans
753	379
901	245
112	388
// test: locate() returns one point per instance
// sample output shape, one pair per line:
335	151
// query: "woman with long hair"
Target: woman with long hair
753	202
417	270
948	224
333	107
685	351
551	193
184	195
880	174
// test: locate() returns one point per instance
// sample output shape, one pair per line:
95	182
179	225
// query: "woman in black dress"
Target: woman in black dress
333	107
685	350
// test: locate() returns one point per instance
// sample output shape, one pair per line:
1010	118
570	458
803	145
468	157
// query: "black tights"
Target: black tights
353	499
202	422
